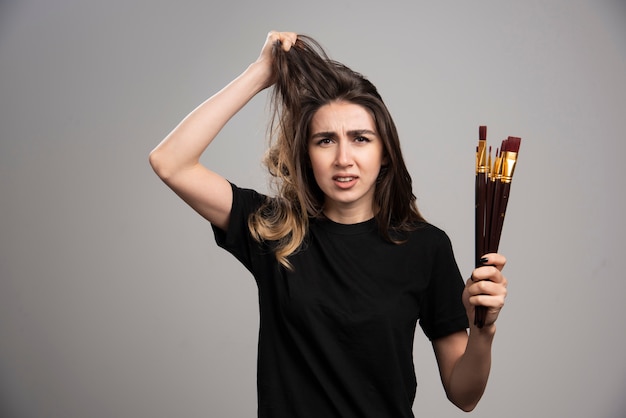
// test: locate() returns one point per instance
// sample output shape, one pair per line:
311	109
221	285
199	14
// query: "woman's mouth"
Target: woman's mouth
345	182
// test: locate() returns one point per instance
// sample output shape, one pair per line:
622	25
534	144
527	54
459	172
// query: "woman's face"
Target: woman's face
346	155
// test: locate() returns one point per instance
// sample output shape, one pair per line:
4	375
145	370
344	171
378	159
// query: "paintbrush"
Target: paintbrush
492	236
480	192
508	161
496	196
481	209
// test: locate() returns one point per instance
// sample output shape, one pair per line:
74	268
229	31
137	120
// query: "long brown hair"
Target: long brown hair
307	80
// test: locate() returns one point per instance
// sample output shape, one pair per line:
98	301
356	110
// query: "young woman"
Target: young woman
344	263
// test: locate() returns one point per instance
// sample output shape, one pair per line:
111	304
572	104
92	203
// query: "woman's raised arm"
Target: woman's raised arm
176	158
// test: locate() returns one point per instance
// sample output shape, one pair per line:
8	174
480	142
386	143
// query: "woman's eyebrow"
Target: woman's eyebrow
358	132
325	134
355	132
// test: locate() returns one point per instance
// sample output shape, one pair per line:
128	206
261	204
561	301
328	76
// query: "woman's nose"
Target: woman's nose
343	157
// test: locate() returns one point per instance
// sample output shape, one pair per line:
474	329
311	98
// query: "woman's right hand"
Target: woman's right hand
286	40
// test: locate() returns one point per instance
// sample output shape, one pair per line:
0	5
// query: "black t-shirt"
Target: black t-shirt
336	333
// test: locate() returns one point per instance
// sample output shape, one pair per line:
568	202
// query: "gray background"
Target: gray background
114	299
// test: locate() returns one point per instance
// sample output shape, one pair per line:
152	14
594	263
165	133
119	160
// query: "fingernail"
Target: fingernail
484	260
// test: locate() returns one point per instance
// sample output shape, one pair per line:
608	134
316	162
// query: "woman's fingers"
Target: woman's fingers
491	273
286	39
487	288
493	259
265	59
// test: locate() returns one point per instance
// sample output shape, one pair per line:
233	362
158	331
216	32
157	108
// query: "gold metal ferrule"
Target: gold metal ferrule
508	166
496	171
481	157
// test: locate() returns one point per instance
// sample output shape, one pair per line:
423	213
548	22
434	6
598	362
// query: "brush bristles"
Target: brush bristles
513	144
482	133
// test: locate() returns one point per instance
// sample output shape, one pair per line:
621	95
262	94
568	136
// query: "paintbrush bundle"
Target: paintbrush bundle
493	185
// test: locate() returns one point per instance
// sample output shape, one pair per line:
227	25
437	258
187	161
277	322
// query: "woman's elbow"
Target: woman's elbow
159	164
465	406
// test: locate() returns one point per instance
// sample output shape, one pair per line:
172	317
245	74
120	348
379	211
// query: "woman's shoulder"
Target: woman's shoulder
248	195
421	228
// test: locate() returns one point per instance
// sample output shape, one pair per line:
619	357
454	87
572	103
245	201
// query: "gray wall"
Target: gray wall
114	299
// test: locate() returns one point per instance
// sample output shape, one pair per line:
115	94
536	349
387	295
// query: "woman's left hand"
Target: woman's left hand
486	287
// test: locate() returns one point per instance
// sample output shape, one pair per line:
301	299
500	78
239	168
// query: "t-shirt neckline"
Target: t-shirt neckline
347	229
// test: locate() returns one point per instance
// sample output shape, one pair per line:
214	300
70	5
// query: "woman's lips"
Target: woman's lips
345	181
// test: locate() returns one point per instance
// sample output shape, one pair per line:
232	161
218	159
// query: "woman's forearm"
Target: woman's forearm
469	376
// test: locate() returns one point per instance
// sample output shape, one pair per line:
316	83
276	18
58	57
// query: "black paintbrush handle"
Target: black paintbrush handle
481	207
493	238
491	184
503	202
483	204
500	202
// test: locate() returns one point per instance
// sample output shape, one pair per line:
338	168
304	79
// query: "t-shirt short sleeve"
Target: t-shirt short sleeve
443	312
236	239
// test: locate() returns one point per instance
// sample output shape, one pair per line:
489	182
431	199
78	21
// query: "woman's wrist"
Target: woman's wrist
488	331
261	72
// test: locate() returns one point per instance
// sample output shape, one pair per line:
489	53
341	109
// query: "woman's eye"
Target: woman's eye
324	141
361	139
